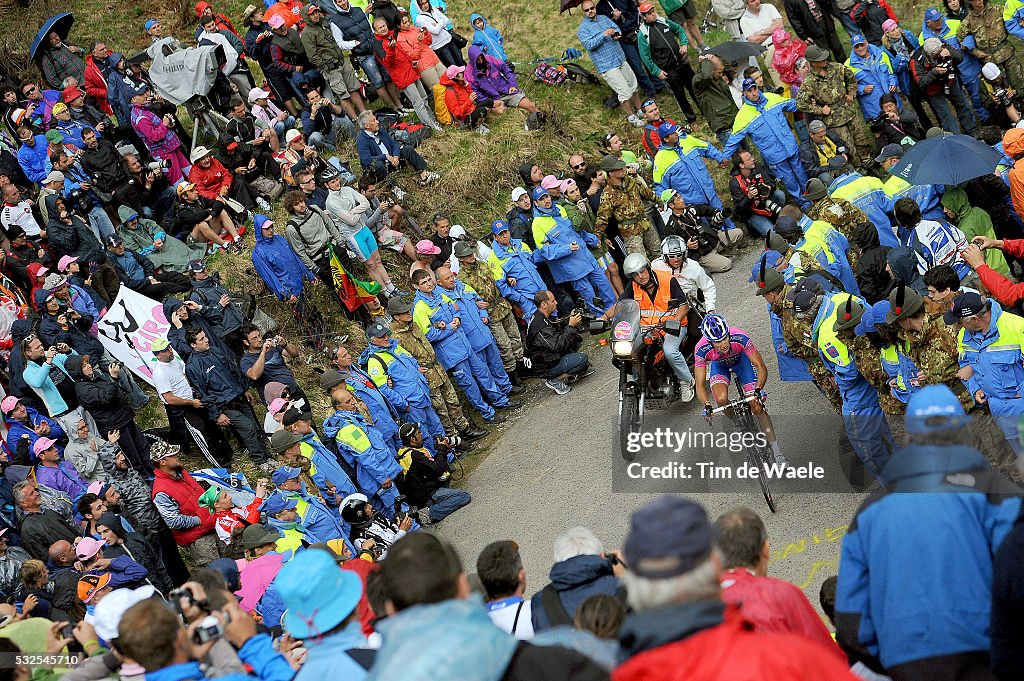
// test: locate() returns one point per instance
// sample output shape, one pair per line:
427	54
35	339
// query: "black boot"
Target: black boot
473	432
514	376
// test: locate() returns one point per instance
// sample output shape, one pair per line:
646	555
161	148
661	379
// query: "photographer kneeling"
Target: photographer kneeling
756	199
425	477
553	346
702	228
1002	101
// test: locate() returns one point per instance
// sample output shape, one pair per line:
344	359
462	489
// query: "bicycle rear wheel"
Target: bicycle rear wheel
759	456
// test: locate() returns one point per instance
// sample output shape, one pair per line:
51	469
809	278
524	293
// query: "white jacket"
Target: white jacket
691	276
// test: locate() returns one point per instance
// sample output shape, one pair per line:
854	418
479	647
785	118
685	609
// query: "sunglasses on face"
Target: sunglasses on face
579	166
30	90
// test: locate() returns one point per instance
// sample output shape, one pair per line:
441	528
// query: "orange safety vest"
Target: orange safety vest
654	311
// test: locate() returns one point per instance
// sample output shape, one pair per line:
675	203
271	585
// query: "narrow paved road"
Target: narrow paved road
553	466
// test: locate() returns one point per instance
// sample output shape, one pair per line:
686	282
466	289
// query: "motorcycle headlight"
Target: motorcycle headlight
622	348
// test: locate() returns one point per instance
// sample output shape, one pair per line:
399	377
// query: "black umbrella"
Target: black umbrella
734	50
947	159
568	5
60	23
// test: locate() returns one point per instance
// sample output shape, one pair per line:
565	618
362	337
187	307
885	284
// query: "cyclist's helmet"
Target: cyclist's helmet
635	263
715	328
673	245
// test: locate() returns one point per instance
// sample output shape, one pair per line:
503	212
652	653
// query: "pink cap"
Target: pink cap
426	247
42	444
453	71
277	405
41	272
566	184
64	262
95	488
88	547
276	21
550	182
888	25
9	403
779	36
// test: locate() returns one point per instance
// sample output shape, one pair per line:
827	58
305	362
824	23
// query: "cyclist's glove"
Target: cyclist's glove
707	410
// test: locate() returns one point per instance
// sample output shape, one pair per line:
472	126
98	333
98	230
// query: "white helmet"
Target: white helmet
673	245
635	263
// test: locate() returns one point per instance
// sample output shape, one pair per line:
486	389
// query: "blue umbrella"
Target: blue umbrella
60	23
947	159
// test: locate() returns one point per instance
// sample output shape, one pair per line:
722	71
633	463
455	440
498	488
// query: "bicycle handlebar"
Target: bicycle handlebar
735	403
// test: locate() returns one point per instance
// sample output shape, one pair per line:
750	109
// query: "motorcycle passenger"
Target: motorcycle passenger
654	290
722	352
700	291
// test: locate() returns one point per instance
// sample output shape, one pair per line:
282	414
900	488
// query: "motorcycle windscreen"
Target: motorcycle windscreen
626	320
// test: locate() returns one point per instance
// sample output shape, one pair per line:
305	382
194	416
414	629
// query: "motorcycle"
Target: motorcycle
646	378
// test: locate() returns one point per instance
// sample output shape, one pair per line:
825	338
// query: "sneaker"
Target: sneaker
263	204
399	193
405	111
686	391
559	387
580	376
430	178
635	121
483	130
397	293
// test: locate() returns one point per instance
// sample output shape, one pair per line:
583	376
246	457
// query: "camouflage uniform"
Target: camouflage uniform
989	32
503	322
626	205
869	363
843	216
442	393
837	89
933	350
797	334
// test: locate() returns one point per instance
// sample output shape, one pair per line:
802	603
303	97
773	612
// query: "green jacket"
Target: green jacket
714	98
319	44
175	255
644	44
671	5
975	222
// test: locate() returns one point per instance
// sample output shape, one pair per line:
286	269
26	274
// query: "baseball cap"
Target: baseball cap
857	39
276	503
889	151
59	108
784	224
198	153
277	406
550	182
566	184
426	247
71	93
932	14
398	306
276	21
54	176
107	617
257	93
208	498
331	377
293	416
889	24
65	262
668	537
42	444
645	7
609	163
159	450
184	187
667	128
159	345
816	125
990	71
88	547
538	192
903	303
90	584
934	408
292	135
749	83
966	304
54	137
803	302
377	330
463	249
283	474
197	266
150	23
283	439
518	193
257	535
8	404
499	226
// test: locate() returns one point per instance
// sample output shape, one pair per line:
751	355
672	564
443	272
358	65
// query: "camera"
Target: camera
162	166
764	192
209	629
947	63
80	200
878	122
1002	98
720	216
403	509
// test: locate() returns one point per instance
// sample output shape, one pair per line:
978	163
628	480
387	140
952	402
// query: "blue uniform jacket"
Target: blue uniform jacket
450	345
874	70
690	177
404	372
258	652
565	264
384	403
765	122
472	317
375	464
859	397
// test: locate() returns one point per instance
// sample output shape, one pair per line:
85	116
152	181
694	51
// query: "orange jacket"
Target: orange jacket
456	98
1013	146
417	50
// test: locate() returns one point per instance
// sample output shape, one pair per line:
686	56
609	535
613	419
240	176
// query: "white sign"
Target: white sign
129	328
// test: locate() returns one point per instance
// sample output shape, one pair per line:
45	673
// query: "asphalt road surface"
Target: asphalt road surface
552	467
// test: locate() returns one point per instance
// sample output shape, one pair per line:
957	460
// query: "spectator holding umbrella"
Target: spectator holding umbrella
59	61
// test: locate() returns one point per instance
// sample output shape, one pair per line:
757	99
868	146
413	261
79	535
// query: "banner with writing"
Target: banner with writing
129	328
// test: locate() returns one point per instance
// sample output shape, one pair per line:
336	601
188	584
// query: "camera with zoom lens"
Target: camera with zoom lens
947	63
162	165
764	192
1002	98
721	216
79	200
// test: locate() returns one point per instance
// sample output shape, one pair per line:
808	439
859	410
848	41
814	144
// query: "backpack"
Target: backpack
550	75
410	133
441	112
578	74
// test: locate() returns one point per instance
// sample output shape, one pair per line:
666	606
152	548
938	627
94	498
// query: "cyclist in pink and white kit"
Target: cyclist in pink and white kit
721	352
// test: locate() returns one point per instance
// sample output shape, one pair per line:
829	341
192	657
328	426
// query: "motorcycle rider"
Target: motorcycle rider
726	350
656	291
700	290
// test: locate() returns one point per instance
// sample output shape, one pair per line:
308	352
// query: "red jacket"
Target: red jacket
219	20
96	85
456	98
185	491
733	651
397	63
776	607
209	181
416	49
1001	288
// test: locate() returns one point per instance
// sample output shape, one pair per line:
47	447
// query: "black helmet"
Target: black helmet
353	510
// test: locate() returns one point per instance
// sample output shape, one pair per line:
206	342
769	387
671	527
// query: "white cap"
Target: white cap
198	153
54	176
257	93
990	71
518	193
292	135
